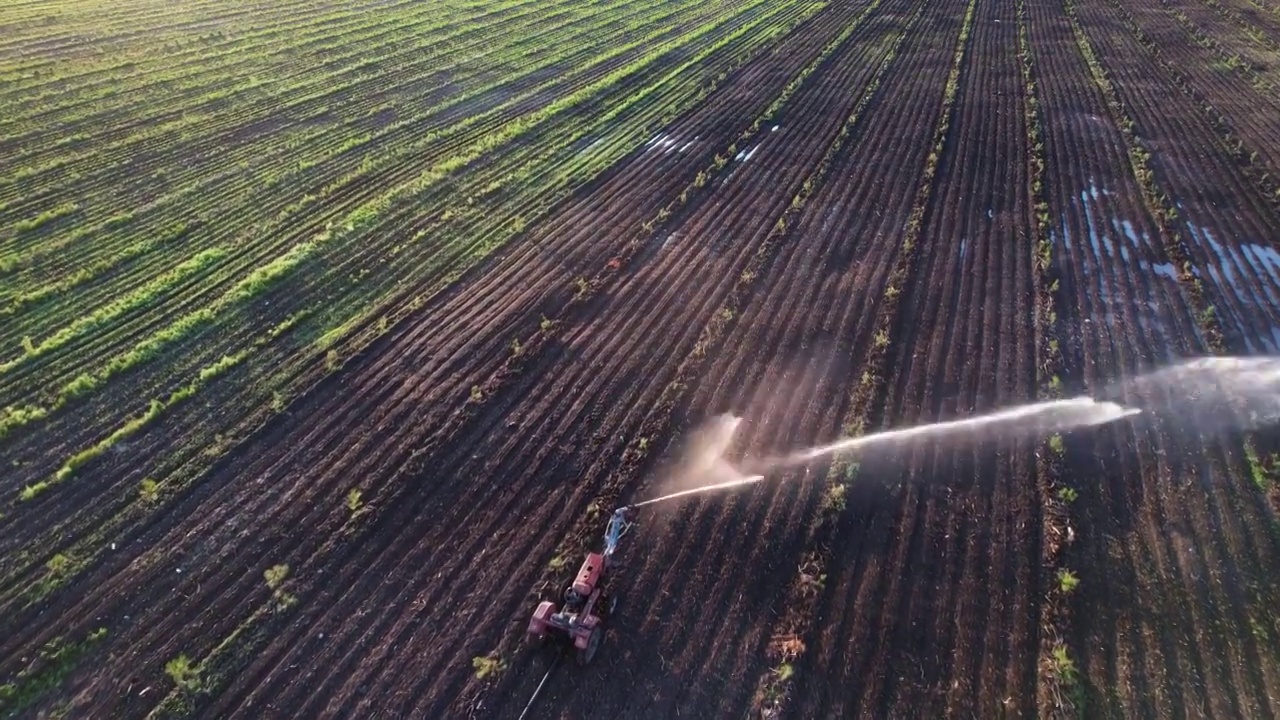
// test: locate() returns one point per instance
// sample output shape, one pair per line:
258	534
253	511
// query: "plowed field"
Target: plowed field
333	331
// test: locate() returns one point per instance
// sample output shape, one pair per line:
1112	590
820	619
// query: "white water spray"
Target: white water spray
705	458
704	488
702	466
1212	393
1037	419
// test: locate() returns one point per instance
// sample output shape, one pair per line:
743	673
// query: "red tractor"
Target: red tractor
579	619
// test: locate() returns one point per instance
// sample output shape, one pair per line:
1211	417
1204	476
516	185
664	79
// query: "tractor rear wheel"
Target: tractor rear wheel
586	654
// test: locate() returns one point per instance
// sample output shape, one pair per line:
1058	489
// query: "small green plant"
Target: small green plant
1207	315
476	393
516	347
1067	580
835	498
1067	494
486	665
354	502
546	324
643	444
1063	666
148	491
557	563
1055	384
785	671
28	346
1262	476
856	428
58	564
1044	258
183	673
881	338
772	694
331	360
277	401
275	575
1056	445
892	292
812	579
582	285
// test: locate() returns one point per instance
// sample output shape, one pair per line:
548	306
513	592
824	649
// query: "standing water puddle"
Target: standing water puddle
666	142
1113	239
1252	272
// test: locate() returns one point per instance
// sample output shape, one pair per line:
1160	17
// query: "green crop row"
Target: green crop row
242	292
226	649
273	105
682	80
361	212
81	546
366	166
104	315
44	672
474	242
1262	466
787	644
1058	689
312	84
277	104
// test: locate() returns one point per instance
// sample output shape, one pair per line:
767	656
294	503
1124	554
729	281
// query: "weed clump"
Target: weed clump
486	665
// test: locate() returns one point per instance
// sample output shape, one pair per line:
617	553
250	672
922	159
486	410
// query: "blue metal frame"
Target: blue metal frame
618	526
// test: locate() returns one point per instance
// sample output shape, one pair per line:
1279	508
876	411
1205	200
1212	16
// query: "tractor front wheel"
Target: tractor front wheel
585	655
